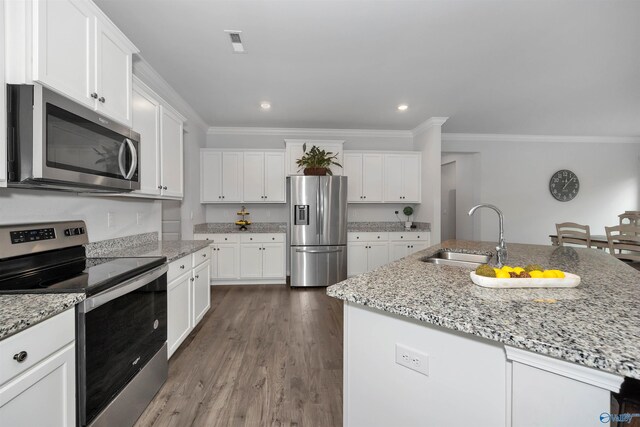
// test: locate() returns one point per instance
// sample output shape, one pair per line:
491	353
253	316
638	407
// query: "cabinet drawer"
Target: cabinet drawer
38	342
178	267
262	238
218	238
367	237
201	256
409	235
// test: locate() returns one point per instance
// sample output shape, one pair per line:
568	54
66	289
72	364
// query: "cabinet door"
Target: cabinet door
213	268
372	174
171	153
356	258
52	384
273	263
113	75
63	43
232	176
146	121
201	292
398	250
210	176
274	178
411	179
393	177
377	255
353	170
228	261
179	311
251	260
253	177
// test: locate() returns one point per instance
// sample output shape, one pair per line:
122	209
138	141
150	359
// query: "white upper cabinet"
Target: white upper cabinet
161	145
402	178
294	150
171	149
71	47
365	172
221	176
264	178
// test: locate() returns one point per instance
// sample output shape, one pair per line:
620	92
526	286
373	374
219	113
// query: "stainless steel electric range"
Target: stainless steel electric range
121	326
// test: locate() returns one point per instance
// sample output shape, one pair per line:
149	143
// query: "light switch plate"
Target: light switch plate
412	359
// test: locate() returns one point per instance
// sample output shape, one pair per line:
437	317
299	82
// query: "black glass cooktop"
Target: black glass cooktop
77	275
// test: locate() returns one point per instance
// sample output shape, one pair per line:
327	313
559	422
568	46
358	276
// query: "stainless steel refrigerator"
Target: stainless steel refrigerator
317	229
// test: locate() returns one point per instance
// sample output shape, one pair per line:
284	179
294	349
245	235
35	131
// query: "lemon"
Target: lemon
507	269
559	274
500	274
496	270
549	274
518	270
536	274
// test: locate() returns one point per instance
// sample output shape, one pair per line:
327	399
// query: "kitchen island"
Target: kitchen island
492	357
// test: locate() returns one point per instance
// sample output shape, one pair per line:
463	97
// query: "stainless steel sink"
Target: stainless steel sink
457	259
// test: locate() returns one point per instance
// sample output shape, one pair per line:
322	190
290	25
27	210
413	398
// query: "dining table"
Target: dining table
597	241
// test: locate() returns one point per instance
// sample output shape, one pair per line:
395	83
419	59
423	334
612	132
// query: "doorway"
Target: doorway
448	205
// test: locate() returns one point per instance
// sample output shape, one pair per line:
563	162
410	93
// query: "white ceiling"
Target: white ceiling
521	67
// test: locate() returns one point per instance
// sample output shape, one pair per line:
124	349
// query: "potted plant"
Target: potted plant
317	161
408	211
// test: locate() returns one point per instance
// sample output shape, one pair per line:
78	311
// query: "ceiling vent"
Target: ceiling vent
236	41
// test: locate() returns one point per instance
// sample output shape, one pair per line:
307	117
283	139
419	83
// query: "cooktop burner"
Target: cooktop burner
81	275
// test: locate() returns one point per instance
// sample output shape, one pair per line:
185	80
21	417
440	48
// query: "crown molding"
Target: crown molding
489	137
308	132
427	124
150	77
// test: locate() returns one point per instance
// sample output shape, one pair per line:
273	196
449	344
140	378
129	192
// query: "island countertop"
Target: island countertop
596	324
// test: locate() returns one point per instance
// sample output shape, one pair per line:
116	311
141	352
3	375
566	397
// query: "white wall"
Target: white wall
514	175
428	141
468	181
24	206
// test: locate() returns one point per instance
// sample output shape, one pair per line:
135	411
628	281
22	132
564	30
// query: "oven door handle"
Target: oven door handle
123	288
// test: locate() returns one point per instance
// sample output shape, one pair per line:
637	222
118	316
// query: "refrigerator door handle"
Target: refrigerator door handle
319	251
318	211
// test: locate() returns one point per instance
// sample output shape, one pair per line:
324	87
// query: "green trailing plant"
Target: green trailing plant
408	211
317	158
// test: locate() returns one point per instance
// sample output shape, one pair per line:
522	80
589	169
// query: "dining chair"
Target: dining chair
624	243
570	232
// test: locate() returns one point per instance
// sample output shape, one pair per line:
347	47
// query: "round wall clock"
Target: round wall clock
564	185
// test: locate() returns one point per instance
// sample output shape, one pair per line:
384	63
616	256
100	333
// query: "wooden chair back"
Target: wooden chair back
570	232
624	242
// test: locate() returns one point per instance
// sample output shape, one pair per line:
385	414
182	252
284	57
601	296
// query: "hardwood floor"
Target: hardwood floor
262	356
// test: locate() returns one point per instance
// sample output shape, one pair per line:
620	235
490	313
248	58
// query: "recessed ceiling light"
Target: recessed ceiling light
265	105
403	107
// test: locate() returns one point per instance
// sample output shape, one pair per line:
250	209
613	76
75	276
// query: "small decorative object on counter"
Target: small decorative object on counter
243	222
408	211
316	161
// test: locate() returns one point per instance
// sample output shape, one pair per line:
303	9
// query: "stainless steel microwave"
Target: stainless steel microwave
56	143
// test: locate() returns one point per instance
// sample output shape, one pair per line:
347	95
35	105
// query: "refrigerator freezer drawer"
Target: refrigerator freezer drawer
318	265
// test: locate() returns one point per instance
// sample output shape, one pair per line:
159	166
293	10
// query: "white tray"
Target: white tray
569	281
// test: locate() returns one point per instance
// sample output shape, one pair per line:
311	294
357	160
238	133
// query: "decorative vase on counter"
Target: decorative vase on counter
243	222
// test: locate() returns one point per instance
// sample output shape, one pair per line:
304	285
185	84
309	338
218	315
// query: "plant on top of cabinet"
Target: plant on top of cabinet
317	161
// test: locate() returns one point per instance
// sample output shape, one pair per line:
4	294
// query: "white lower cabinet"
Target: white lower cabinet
46	375
370	250
252	258
188	296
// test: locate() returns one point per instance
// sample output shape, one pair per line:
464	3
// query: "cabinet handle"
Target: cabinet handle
101	99
20	357
204	255
364	197
164	188
219	197
197	276
192	279
159	187
94	95
182	267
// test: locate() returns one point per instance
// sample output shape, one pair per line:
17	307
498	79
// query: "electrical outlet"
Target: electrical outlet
110	219
139	218
412	359
397	212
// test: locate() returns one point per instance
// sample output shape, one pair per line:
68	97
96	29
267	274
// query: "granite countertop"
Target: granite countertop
226	227
19	311
596	324
172	249
386	227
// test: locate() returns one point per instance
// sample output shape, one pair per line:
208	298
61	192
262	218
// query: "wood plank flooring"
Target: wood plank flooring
262	356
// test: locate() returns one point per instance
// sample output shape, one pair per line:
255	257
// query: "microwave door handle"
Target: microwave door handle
123	171
134	158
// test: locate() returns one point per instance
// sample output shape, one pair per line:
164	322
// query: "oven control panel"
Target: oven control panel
24	236
77	231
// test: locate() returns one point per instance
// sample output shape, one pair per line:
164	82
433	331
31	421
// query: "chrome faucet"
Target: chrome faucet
501	249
